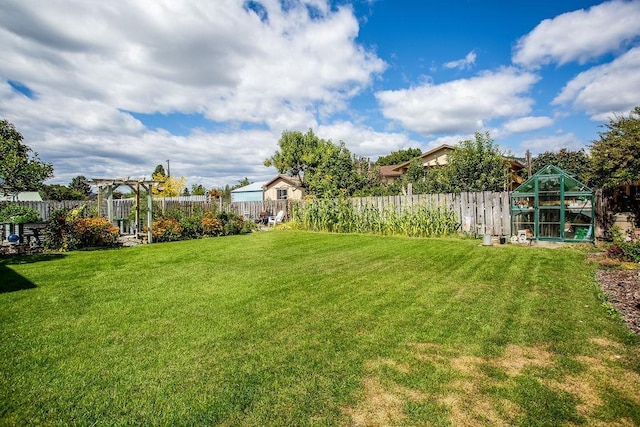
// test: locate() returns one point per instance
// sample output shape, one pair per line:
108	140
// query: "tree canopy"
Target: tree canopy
299	154
159	170
476	165
60	192
397	157
198	190
79	184
324	169
616	154
20	167
169	187
576	163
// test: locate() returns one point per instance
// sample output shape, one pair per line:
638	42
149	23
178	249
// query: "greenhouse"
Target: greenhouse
552	206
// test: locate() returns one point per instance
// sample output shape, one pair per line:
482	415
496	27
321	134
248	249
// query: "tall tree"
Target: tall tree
324	169
476	165
79	184
336	174
576	163
60	192
159	170
168	187
198	190
20	167
299	154
242	183
616	154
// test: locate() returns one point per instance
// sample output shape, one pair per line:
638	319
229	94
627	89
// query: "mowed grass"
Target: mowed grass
296	328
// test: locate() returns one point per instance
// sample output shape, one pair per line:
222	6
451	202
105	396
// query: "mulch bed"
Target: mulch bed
623	289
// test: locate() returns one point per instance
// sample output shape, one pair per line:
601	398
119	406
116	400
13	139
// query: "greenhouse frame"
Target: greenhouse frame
553	206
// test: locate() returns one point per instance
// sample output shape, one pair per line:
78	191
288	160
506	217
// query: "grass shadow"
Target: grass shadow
11	281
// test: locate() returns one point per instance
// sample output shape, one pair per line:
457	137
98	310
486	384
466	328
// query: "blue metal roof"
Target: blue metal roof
256	186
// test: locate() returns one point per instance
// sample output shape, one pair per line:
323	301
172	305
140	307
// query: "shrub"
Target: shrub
624	246
166	229
68	230
231	223
94	232
630	250
57	230
615	251
191	225
248	227
211	226
19	214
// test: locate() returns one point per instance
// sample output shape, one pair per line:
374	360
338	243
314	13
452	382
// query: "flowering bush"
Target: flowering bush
211	226
68	230
166	229
95	232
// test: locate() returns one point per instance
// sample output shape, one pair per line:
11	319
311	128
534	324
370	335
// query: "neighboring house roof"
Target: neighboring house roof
23	196
255	186
291	180
389	171
403	166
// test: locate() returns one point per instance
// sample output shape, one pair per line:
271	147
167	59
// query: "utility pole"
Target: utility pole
168	169
528	157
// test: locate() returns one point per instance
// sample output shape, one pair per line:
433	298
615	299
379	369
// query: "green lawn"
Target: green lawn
296	328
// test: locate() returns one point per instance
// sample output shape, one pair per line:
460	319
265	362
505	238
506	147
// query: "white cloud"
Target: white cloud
605	90
580	35
451	140
364	141
150	56
460	105
91	62
551	143
464	63
526	124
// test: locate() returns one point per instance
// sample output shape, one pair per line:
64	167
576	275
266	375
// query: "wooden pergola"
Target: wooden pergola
106	187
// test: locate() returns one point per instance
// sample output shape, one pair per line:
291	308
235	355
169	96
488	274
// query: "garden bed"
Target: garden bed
622	287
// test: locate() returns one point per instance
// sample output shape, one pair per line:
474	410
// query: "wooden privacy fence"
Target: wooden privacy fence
477	213
254	210
124	208
45	208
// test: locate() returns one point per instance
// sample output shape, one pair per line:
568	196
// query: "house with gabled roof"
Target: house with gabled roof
432	158
284	187
439	156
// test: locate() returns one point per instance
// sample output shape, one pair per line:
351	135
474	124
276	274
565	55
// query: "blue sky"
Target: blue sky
113	89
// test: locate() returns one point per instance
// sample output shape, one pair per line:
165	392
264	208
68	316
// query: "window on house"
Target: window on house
282	194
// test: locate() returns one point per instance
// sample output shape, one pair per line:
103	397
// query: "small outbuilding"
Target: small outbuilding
249	193
22	196
554	206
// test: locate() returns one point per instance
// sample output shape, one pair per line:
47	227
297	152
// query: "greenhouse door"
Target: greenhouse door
549	223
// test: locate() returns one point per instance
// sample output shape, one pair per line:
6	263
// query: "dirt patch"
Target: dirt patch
582	387
465	396
622	287
379	407
517	358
